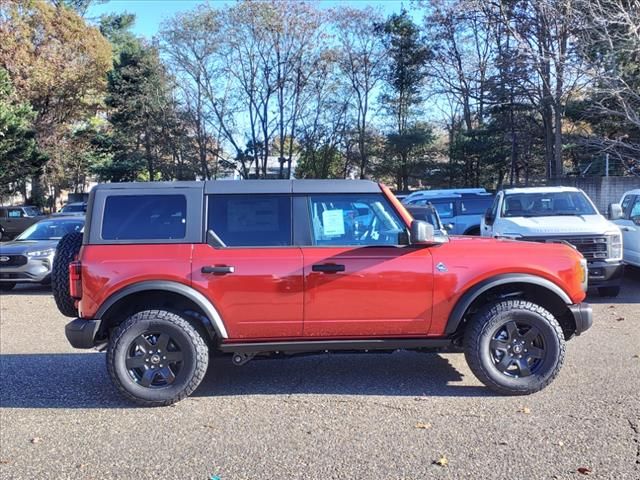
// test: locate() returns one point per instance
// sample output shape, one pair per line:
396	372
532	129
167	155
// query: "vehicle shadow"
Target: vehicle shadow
80	380
37	289
629	291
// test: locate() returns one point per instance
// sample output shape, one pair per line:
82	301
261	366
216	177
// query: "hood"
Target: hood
22	247
556	225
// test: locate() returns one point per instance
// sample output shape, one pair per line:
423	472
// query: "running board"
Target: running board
335	345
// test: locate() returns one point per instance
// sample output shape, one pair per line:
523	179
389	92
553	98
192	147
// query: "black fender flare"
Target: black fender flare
168	286
457	314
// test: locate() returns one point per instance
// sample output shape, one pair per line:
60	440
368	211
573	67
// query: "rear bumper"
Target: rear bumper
81	333
583	316
603	274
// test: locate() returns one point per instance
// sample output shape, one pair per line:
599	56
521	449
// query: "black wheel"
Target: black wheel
514	347
609	291
156	358
66	252
6	286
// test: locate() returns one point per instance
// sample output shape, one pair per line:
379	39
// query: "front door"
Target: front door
255	280
630	226
361	277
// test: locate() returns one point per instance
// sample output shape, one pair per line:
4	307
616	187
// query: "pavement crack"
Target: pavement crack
636	431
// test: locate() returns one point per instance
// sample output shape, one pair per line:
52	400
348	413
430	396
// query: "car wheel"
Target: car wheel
156	358
609	291
514	347
6	286
66	252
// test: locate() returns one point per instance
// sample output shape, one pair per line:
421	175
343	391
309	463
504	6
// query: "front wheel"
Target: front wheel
514	347
156	358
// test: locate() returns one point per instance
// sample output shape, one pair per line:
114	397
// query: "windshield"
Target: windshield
74	207
546	204
32	211
51	229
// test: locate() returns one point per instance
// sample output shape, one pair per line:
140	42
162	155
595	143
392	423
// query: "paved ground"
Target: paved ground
324	417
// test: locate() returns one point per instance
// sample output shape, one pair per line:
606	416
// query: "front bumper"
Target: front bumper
583	316
81	333
604	274
36	270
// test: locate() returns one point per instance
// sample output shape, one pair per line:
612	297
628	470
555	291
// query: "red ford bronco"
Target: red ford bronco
166	273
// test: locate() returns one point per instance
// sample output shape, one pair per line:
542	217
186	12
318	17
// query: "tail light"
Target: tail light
75	280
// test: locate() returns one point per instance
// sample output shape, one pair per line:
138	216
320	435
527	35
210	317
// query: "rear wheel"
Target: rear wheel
6	286
609	291
66	252
514	347
156	358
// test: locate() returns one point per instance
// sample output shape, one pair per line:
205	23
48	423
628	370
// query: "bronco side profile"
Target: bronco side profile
166	274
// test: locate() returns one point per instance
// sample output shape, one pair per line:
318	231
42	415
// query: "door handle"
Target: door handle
328	268
218	270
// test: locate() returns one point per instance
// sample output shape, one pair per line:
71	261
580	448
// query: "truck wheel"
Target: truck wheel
609	291
66	252
156	358
6	286
514	347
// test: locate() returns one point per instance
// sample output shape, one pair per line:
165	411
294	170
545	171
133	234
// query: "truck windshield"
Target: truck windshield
546	204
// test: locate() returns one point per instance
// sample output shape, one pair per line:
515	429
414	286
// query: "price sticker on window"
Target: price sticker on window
333	222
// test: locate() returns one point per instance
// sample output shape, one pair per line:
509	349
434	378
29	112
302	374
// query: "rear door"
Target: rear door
630	226
249	267
361	278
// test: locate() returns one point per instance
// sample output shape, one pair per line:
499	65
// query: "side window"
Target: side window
15	213
251	220
445	209
635	209
494	207
347	220
144	217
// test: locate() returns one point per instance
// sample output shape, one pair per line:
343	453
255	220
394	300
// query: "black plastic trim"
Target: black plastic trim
335	345
81	333
583	316
162	285
474	292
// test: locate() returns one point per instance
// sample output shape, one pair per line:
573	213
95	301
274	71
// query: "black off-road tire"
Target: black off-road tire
66	252
609	291
489	327
149	325
6	286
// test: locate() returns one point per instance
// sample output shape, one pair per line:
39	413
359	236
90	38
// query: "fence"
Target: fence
602	190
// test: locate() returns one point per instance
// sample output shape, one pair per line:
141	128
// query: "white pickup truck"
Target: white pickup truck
629	223
561	214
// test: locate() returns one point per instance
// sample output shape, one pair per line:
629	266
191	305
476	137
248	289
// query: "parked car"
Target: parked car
14	220
561	214
629	223
76	208
461	213
29	258
171	271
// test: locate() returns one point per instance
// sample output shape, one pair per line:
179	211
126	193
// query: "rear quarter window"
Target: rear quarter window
144	217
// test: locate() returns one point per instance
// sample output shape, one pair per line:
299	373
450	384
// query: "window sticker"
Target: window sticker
333	222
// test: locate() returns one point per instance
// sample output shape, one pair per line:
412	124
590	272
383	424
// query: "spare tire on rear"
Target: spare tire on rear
66	252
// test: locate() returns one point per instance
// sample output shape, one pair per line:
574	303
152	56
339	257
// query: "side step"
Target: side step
335	345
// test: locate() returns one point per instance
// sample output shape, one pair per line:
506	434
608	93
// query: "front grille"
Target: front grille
14	260
591	247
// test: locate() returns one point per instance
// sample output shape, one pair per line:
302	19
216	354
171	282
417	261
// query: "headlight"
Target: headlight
41	253
614	246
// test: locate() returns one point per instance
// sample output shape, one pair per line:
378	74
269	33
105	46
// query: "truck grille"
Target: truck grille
14	260
591	247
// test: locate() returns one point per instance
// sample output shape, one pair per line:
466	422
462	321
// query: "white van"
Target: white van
629	223
561	214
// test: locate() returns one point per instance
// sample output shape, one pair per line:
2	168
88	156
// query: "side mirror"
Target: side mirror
421	233
615	211
488	217
449	227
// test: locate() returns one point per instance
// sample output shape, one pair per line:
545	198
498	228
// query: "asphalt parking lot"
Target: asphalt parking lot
383	416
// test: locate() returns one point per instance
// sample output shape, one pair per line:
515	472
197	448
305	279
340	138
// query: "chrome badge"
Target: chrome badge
441	267
4	259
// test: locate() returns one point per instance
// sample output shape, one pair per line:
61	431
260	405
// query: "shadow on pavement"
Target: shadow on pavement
81	381
26	289
629	291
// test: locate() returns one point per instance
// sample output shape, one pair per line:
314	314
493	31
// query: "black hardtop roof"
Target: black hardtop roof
254	186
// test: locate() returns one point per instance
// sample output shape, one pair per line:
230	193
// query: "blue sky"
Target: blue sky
150	13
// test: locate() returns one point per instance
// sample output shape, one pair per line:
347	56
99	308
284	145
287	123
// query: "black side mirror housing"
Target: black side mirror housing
488	217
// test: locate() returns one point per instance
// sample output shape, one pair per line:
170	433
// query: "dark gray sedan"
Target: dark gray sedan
28	258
